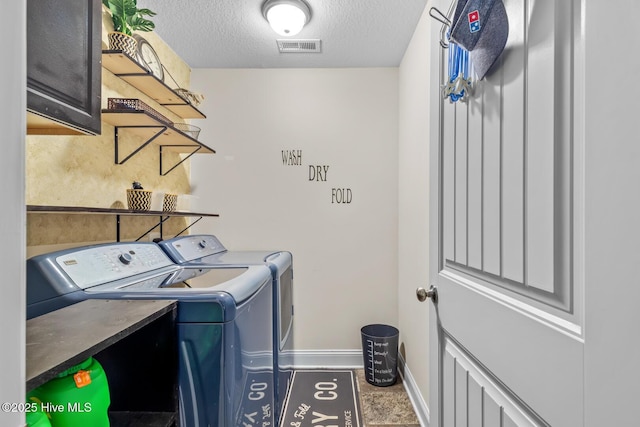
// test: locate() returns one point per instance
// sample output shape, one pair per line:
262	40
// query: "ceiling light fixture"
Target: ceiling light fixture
286	17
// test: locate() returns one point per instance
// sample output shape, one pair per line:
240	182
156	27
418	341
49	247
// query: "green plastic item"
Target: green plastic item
37	419
78	397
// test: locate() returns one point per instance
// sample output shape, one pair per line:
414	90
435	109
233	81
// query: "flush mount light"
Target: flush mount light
286	17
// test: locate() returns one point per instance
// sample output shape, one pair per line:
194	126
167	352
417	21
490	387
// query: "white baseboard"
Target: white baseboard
335	359
420	406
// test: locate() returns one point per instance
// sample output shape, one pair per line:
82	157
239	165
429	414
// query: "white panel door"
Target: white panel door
506	186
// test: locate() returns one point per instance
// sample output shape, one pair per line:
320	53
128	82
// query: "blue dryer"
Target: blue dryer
224	334
207	250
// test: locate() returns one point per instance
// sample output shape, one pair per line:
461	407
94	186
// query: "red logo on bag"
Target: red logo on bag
474	21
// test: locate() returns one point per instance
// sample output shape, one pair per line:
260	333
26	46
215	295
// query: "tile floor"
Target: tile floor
385	406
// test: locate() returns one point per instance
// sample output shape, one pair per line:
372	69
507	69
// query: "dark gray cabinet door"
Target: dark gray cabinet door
64	74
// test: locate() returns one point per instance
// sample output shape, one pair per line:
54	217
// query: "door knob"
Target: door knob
422	294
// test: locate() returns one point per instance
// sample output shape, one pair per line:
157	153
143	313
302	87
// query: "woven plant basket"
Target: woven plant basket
139	200
169	202
123	42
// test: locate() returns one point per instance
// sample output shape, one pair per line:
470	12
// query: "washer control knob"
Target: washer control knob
125	258
202	243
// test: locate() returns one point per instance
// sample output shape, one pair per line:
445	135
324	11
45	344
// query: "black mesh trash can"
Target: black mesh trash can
380	353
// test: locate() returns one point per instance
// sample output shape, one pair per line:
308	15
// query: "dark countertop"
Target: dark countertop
61	339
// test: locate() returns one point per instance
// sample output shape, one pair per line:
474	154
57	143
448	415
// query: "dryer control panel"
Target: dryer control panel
189	248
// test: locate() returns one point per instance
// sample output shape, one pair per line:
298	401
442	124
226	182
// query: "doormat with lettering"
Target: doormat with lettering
256	407
322	398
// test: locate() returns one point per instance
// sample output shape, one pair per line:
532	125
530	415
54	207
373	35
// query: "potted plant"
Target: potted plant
127	18
138	199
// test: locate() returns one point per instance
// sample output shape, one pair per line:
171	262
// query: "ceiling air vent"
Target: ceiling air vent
299	46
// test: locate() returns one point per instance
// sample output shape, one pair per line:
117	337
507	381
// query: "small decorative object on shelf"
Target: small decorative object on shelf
148	57
127	18
123	42
170	202
191	97
138	198
134	104
189	129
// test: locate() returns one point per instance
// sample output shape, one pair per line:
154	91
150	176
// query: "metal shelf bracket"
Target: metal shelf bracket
188	227
163	173
137	150
162	220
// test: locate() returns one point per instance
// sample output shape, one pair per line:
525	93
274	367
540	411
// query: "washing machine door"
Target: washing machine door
201	374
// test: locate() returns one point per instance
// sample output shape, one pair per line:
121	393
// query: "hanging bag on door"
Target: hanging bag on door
481	27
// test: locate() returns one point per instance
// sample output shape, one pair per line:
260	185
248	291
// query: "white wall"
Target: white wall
345	254
12	215
413	228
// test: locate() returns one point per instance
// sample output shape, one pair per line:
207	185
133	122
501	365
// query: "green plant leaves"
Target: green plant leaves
140	23
127	17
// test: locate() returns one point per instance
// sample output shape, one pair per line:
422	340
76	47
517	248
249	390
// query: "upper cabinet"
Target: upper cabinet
64	73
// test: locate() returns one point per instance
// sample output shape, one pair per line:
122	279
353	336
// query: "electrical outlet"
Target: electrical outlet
154	235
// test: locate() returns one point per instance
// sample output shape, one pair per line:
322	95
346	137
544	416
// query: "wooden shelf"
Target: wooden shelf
152	128
134	73
164	215
143	124
110	211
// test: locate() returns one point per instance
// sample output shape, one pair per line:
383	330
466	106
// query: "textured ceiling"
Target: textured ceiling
234	34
